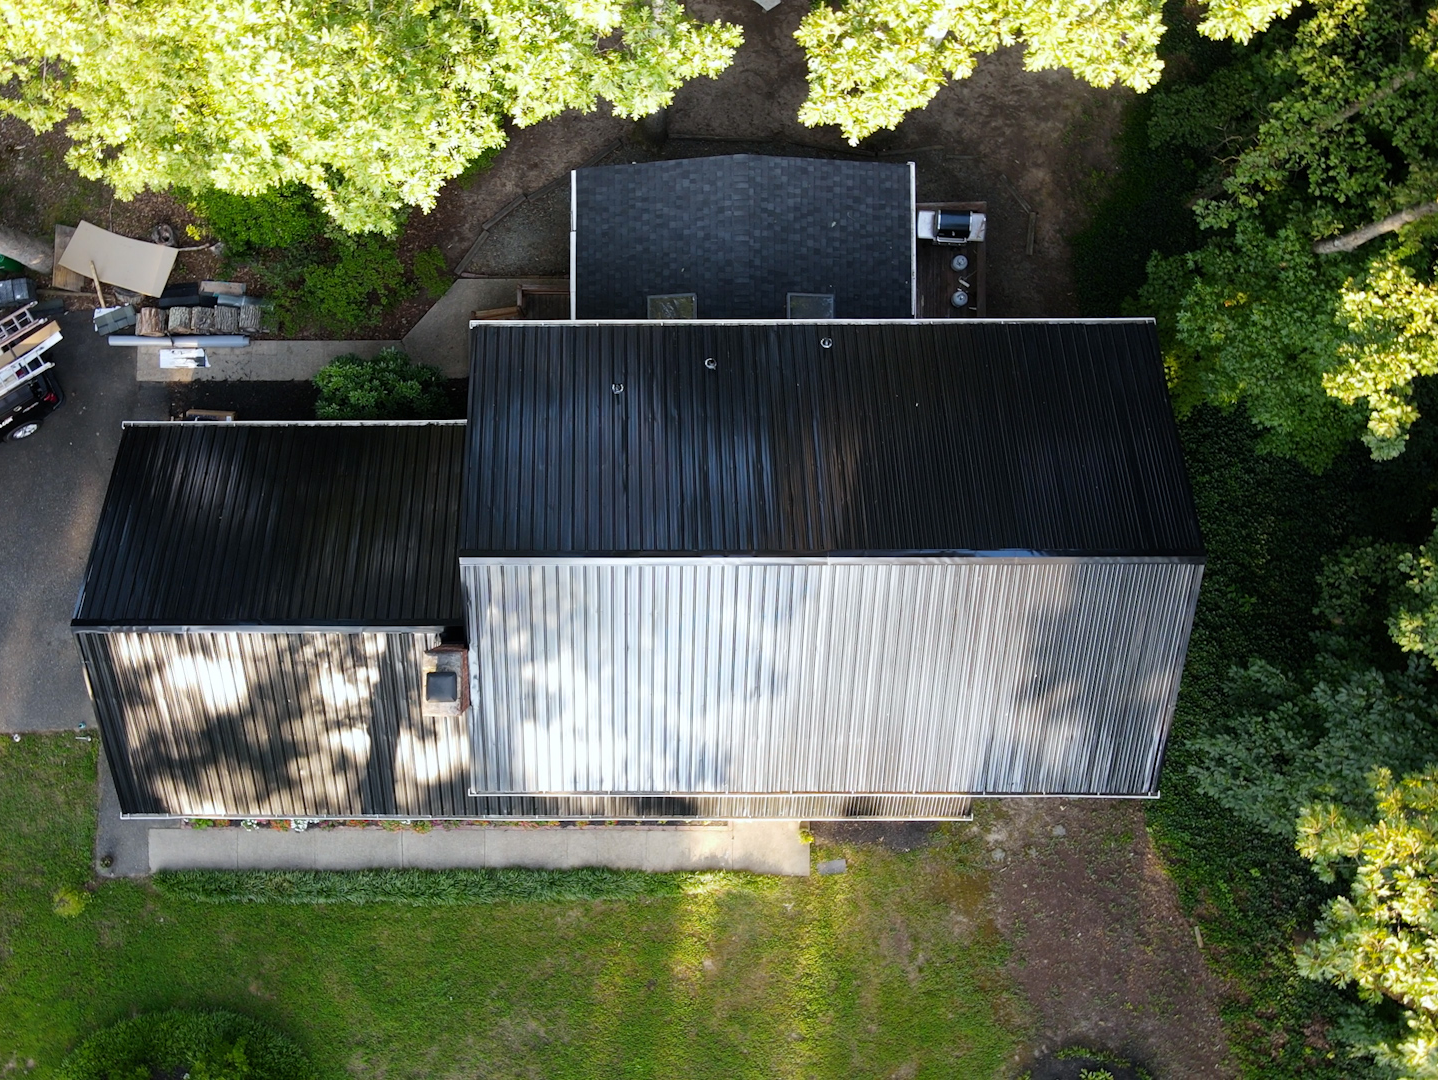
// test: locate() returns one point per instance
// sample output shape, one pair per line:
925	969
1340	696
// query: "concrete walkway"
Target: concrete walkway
441	338
764	847
261	360
137	847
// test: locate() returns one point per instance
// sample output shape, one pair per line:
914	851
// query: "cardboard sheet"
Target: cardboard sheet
131	264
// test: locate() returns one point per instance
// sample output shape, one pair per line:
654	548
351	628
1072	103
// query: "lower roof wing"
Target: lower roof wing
249	725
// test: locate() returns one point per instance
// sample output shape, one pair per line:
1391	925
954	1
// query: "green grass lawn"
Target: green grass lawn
889	968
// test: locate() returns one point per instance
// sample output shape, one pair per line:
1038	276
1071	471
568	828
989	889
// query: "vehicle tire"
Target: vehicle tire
24	431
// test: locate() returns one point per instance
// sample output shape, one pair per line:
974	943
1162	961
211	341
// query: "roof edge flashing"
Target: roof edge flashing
226	425
949	324
475	793
916	558
82	626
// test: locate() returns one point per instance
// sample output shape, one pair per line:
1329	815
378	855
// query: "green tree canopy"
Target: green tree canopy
371	106
1297	739
873	61
1383	936
200	1045
1313	302
1414	622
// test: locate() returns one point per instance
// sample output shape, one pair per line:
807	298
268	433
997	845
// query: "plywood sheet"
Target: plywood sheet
131	264
63	278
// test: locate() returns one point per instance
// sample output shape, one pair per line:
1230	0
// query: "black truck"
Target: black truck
29	389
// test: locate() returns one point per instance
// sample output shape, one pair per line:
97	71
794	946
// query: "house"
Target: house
685	568
715	570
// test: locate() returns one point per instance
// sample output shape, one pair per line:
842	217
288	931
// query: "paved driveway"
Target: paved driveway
53	485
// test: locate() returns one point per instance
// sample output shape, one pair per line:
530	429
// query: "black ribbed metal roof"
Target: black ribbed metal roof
741	232
284	525
822	439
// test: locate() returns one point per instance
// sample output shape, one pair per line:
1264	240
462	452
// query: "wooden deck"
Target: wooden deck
938	280
543	302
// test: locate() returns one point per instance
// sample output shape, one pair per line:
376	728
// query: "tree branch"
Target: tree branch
1270	156
1358	237
1392	86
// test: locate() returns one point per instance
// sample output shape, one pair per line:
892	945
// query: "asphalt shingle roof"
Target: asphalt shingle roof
742	232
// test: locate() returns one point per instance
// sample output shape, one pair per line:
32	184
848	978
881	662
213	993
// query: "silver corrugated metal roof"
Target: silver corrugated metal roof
274	725
878	677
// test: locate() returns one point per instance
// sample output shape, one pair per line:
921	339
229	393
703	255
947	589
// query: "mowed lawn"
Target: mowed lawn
890	969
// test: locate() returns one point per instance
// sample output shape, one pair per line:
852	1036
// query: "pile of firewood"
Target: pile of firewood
209	307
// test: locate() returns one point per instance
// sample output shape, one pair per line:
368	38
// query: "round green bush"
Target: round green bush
201	1045
388	387
279	218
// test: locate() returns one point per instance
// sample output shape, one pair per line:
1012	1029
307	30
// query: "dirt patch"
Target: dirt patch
1081	1067
293	400
893	835
39	191
1100	946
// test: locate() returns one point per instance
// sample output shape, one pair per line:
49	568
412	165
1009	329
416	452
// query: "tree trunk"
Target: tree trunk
1349	241
36	254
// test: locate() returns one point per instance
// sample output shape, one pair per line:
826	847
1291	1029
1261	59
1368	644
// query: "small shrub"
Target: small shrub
478	166
432	272
387	387
69	902
354	291
279	218
204	1046
1100	1065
